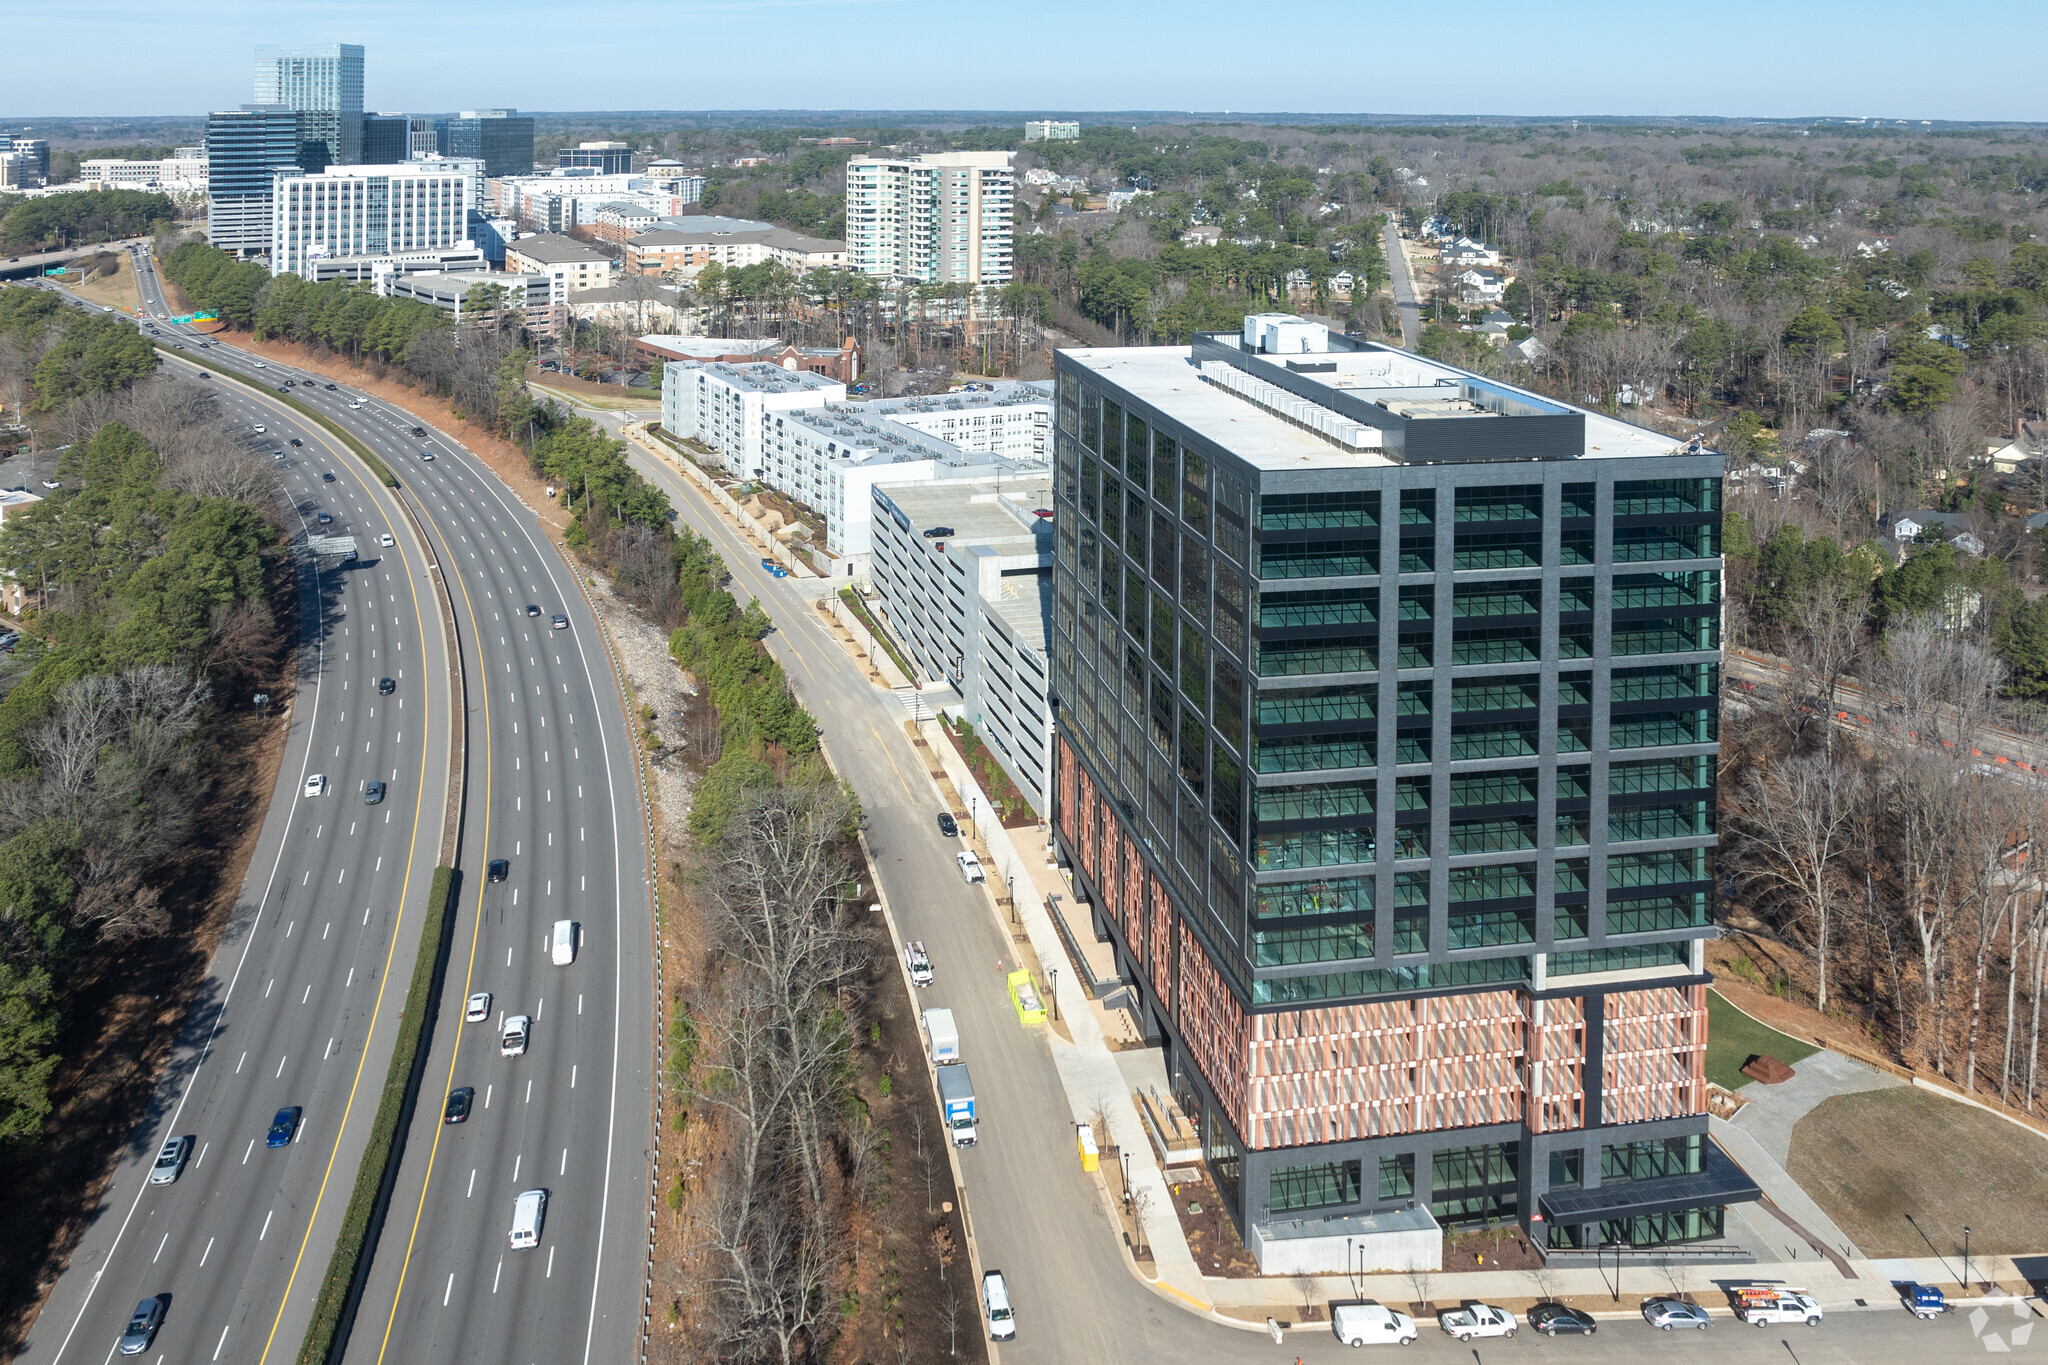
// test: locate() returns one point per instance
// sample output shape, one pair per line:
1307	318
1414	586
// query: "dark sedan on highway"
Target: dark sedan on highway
285	1126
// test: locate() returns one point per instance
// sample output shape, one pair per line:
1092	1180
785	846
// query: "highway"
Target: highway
300	1004
552	789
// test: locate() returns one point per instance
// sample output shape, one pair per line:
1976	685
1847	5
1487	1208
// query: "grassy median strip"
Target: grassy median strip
880	636
361	451
374	1178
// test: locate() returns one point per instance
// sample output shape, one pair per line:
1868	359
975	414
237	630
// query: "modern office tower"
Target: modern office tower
423	137
367	211
387	139
245	149
606	158
501	138
325	84
34	168
943	218
1386	758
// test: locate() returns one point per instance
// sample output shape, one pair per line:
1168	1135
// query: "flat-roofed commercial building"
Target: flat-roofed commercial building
1386	750
575	265
962	578
366	211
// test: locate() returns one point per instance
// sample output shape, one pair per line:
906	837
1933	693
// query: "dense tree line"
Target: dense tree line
148	596
51	354
64	220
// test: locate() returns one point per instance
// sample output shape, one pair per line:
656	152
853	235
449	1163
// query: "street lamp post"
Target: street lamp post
1011	882
1966	1260
1052	986
1127	1179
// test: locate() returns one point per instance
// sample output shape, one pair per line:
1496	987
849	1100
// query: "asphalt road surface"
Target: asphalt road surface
552	788
1035	1216
1404	287
300	1005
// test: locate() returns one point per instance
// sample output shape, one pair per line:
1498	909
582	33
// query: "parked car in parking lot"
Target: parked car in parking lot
1555	1319
1668	1313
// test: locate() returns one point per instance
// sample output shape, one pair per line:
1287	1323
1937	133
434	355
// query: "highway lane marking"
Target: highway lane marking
330	1050
245	1151
516	1159
159	1249
529	1090
308	995
200	1160
209	1241
572	1067
449	1290
280	1065
223	1342
500	1271
325	929
472	1184
551	1263
266	1225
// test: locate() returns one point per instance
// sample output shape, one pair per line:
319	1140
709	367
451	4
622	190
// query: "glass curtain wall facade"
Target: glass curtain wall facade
326	85
1422	753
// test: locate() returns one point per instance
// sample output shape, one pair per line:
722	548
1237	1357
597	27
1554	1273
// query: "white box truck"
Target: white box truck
941	1038
956	1099
563	945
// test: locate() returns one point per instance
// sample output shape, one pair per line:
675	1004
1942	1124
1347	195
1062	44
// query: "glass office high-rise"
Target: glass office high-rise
245	149
1386	732
500	138
326	85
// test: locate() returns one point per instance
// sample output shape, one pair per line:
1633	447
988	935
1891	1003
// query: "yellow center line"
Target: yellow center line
390	948
468	971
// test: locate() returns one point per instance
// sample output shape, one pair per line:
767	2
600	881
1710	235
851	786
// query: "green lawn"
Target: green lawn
1733	1038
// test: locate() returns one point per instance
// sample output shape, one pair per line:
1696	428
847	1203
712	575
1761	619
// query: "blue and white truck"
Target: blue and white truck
956	1100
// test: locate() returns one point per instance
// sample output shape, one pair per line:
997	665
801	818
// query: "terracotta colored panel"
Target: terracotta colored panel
1214	1028
1655	1054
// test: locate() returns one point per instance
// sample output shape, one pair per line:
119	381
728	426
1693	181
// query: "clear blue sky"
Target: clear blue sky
1785	58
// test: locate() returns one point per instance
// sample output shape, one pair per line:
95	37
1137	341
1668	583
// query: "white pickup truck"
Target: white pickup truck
1476	1319
1766	1305
920	964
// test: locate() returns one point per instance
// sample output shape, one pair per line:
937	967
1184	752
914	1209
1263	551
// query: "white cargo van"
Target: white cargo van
1371	1324
529	1211
567	931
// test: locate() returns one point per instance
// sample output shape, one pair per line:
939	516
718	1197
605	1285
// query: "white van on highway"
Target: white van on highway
567	932
529	1212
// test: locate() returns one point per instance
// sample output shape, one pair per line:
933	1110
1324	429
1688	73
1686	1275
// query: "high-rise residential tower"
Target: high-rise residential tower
937	219
1386	744
326	85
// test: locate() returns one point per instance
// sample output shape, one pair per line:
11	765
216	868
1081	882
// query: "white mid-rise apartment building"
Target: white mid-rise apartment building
944	218
175	175
732	408
366	211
